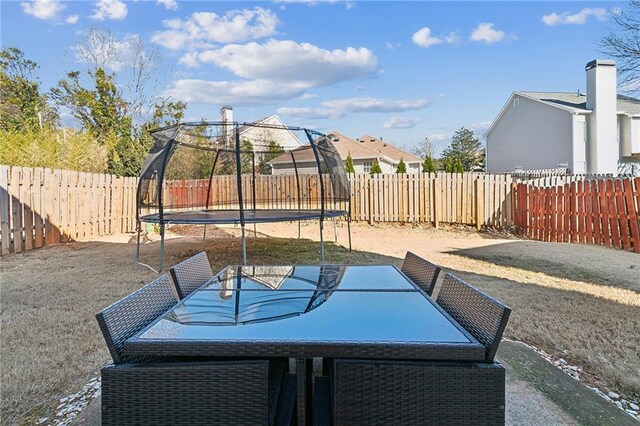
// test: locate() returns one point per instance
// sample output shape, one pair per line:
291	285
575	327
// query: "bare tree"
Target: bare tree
622	43
425	148
137	67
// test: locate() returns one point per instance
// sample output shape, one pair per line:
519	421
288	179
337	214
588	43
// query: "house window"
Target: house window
367	166
516	102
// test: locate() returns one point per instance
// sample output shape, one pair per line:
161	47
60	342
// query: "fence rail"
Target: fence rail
40	207
604	212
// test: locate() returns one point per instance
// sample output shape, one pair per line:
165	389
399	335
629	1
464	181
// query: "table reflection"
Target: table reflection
249	294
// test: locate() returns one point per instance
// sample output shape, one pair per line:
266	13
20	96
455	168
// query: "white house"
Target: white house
594	133
260	137
363	152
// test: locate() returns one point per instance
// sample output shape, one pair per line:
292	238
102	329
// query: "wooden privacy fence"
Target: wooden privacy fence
40	207
604	212
470	198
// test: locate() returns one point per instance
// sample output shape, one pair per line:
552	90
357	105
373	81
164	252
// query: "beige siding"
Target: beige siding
531	135
261	136
307	168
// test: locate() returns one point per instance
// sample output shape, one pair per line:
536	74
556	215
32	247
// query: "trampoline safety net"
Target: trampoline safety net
222	172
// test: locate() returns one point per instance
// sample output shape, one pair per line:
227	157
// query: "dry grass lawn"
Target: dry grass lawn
581	302
51	344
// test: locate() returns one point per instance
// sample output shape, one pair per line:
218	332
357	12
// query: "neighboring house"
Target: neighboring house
594	133
363	151
260	137
388	151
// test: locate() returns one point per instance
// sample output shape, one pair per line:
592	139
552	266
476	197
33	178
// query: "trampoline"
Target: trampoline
213	173
204	217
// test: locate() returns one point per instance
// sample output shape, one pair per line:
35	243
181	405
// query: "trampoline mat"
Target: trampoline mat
233	216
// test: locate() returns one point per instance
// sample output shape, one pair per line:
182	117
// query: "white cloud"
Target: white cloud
289	61
402	122
486	33
392	46
42	9
423	38
168	4
232	92
579	18
72	19
376	104
347	4
310	113
274	70
453	38
109	9
203	28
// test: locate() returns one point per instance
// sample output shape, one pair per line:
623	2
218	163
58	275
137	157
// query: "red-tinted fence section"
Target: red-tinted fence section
604	212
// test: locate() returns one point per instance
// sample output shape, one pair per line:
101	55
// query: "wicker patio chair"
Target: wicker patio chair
421	272
416	393
485	318
191	273
128	316
241	392
190	391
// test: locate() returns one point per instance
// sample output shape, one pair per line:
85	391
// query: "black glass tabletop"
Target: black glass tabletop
304	305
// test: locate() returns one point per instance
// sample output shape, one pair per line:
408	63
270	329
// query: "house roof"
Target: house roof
577	102
345	147
569	101
387	150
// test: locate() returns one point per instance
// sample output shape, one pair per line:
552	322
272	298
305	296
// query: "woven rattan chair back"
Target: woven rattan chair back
421	271
191	273
485	318
128	316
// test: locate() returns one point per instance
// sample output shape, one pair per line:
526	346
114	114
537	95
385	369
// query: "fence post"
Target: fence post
479	203
436	202
370	201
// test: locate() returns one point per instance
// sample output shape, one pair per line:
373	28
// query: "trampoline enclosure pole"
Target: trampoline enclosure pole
321	180
239	185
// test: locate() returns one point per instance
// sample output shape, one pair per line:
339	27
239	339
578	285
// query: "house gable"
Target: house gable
531	134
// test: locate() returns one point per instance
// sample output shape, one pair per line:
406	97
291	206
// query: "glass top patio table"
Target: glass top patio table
340	311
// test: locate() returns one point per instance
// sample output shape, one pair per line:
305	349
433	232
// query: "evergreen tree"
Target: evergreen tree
402	167
427	165
375	167
349	164
457	166
464	146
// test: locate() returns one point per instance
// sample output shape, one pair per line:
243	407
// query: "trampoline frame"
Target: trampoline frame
241	219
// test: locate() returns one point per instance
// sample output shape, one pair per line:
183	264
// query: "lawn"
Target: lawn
51	344
575	301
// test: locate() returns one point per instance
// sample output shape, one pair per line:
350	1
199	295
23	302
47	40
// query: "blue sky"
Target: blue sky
400	70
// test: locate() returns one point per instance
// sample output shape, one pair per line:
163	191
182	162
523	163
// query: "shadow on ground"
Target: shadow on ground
599	265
